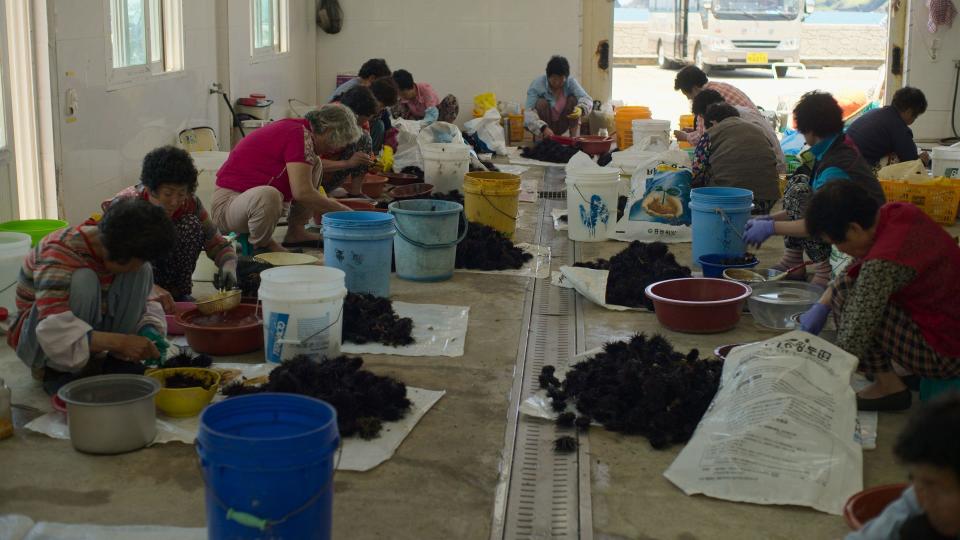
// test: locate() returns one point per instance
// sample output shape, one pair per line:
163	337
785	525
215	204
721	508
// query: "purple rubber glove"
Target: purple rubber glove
757	231
813	320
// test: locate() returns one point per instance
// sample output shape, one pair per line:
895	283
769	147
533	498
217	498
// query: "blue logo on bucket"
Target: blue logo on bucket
276	331
597	214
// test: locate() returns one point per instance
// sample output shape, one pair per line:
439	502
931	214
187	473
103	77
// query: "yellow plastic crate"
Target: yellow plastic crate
940	200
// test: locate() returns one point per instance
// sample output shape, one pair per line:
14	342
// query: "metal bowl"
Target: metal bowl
775	304
111	414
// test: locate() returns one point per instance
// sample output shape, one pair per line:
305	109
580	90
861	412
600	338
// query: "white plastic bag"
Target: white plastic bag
440	132
779	430
638	221
489	130
408	151
911	171
412	134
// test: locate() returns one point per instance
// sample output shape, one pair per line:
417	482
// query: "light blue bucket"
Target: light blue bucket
360	243
719	215
426	241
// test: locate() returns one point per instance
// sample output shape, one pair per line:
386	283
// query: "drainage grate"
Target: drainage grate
560	195
544	494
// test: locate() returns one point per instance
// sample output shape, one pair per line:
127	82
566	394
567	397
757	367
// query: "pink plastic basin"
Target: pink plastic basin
698	305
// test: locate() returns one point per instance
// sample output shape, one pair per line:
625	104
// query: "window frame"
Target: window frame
167	32
281	31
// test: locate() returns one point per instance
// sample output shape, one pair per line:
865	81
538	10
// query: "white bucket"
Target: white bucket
444	165
14	247
592	203
651	134
946	161
302	311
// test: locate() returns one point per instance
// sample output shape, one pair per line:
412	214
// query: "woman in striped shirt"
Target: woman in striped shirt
85	290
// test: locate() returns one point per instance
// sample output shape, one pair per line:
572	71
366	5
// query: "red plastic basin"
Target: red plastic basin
173	327
594	144
698	305
402	179
411	191
373	185
240	331
869	503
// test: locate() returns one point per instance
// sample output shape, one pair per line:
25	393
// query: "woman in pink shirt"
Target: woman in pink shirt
279	164
420	100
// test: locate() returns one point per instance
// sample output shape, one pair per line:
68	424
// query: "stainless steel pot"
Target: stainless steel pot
775	303
111	414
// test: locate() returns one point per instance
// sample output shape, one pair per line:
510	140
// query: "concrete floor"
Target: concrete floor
441	482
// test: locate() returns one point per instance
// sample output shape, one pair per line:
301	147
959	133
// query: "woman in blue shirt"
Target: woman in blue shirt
556	102
831	157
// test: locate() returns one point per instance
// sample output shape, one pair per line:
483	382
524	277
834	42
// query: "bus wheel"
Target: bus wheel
781	71
698	60
662	57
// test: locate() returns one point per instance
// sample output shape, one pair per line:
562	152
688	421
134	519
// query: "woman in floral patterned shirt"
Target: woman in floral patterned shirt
169	180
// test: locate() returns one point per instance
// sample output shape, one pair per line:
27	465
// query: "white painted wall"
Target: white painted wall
934	76
101	152
292	75
461	47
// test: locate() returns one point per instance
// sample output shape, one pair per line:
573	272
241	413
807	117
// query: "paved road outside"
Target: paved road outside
653	87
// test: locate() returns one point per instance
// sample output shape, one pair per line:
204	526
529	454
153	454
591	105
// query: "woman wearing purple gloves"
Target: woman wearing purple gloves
831	157
897	301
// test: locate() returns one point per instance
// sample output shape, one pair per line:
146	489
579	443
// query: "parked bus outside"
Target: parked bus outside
728	33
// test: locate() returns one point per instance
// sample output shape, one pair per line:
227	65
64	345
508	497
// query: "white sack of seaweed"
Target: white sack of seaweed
658	206
779	428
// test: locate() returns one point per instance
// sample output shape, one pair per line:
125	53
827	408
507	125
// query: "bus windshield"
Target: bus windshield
764	10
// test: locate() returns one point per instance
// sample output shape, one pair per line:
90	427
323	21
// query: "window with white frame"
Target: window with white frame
146	38
269	27
3	119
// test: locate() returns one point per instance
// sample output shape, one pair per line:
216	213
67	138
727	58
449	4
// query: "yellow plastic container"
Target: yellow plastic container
623	120
185	402
516	127
938	199
492	198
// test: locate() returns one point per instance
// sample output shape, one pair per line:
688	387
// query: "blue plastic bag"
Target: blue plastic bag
792	143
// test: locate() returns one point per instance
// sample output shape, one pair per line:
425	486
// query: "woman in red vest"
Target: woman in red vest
897	303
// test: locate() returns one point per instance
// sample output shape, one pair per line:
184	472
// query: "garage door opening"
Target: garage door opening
774	50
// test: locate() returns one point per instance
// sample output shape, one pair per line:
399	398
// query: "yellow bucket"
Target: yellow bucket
492	198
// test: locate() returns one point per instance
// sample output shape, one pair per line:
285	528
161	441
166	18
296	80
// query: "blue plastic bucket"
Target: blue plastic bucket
713	268
268	462
427	236
718	217
360	243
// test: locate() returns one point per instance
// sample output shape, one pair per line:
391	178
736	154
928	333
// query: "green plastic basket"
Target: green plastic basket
36	228
793	163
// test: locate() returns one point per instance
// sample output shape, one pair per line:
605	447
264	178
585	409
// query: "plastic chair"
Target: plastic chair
199	139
